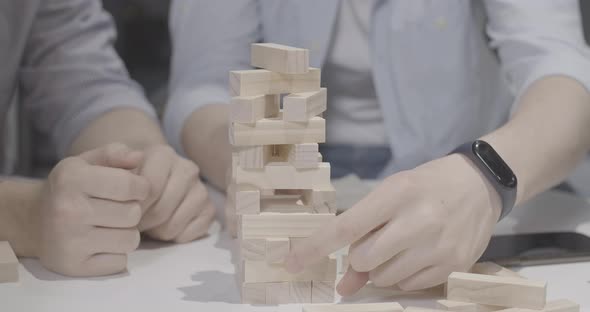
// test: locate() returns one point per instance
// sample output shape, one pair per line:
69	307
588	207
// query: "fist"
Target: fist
90	209
178	207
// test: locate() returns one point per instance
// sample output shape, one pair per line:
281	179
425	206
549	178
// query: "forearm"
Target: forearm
18	214
129	126
548	135
205	140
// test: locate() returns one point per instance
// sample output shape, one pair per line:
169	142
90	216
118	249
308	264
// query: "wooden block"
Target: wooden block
278	293
249	109
231	218
268	225
246	199
285	176
277	248
322	200
459	306
8	264
254	157
262	81
322	292
262	272
301	292
561	305
496	290
303	106
279	58
253	249
253	293
490	268
270	131
303	156
355	307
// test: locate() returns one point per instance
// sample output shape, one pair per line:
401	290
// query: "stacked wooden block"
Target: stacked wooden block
280	189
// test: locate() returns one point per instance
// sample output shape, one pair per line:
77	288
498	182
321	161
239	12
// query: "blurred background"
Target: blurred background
144	44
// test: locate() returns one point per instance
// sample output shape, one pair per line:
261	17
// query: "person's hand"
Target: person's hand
412	231
178	207
89	211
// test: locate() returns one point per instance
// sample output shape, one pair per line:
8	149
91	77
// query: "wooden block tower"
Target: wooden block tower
280	189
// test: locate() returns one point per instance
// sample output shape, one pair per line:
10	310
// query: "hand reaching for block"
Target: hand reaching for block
178	207
90	208
412	231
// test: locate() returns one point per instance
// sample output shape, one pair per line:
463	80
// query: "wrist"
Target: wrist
481	184
21	222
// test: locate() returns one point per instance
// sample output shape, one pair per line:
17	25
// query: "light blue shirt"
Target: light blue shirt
59	56
445	72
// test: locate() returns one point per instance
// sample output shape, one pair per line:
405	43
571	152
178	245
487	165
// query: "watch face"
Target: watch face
495	164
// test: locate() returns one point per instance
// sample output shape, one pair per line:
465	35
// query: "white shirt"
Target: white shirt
354	115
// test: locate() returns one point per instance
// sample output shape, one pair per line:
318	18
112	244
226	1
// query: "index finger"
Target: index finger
114	184
348	227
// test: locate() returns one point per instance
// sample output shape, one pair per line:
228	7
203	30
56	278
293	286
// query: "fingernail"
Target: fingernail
292	265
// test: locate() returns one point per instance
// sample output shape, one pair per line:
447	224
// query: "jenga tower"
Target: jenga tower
280	189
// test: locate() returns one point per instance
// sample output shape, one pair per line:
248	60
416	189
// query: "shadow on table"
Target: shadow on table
214	286
39	272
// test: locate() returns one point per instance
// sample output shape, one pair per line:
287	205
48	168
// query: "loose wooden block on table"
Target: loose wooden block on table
263	272
285	176
459	306
8	264
490	268
496	290
270	131
269	225
355	307
322	292
249	109
303	106
262	81
561	305
279	58
277	248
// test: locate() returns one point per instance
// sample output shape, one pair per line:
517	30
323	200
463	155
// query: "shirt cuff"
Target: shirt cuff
183	103
68	130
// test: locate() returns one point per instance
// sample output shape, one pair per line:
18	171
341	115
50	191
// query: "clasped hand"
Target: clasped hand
95	205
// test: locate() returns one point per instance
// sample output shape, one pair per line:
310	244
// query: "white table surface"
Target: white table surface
199	276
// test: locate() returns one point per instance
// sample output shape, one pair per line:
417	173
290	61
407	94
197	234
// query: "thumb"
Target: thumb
351	282
115	155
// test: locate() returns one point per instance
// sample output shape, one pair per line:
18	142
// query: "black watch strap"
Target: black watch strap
493	167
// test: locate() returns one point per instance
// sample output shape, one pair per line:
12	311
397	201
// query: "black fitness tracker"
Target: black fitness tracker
493	167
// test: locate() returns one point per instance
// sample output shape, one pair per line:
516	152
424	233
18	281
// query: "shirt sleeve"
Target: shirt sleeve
70	73
209	39
538	38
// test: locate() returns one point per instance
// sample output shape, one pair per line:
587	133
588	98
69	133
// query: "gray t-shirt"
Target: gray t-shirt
59	55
